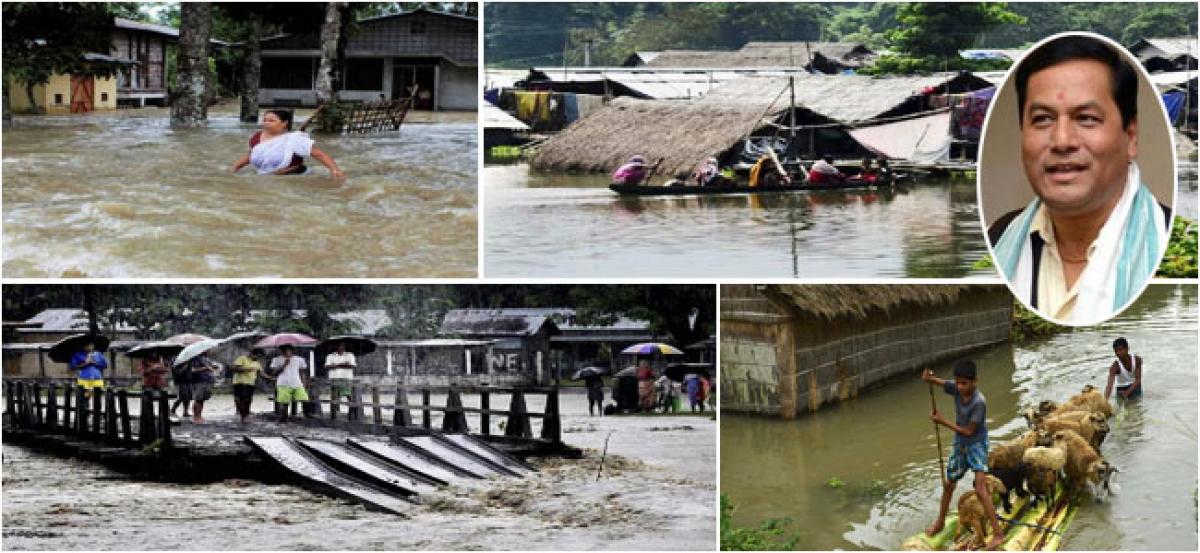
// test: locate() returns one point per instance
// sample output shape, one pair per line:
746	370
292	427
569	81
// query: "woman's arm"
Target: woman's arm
241	162
326	160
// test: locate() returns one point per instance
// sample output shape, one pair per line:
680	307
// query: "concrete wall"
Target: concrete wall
104	94
458	87
772	365
23	363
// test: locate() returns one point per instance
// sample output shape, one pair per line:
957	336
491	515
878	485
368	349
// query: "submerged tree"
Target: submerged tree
189	107
329	71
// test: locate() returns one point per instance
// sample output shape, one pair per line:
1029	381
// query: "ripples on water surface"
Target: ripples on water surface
119	195
882	445
563	225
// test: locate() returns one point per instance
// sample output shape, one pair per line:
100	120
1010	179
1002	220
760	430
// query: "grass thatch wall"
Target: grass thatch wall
681	133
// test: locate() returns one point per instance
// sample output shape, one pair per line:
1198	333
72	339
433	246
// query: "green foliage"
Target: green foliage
1028	326
1180	259
984	262
37	44
771	535
835	483
907	65
940	30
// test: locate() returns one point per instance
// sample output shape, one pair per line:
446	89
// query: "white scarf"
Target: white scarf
1127	251
272	155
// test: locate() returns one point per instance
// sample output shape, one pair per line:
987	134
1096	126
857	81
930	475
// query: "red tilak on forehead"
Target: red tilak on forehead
1059	96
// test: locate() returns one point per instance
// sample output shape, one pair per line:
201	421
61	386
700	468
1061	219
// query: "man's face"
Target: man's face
1074	149
89	347
966	386
1121	351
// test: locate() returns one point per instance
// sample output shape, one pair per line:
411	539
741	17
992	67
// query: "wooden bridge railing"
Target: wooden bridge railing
99	414
517	418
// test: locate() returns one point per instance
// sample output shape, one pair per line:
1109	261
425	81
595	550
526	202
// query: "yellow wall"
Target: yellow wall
61	84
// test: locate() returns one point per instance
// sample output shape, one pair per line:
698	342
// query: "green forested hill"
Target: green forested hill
526	34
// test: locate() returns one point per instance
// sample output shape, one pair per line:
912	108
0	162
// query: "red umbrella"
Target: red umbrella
187	339
285	339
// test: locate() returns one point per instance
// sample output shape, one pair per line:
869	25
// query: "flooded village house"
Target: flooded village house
788	349
385	57
138	49
26	343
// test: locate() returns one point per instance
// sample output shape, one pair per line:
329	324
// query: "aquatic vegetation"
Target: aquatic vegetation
771	535
1180	259
1027	325
835	483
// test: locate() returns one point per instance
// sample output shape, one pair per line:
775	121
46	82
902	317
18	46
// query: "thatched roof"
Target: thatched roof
680	133
833	301
683	133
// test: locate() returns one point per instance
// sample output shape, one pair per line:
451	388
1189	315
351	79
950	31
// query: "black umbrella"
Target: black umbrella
165	349
62	351
677	371
588	372
354	344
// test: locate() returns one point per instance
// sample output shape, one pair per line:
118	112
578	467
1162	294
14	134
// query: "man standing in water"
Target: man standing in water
1126	371
970	449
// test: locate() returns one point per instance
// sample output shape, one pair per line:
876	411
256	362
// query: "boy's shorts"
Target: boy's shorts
90	384
202	391
1137	393
972	456
288	394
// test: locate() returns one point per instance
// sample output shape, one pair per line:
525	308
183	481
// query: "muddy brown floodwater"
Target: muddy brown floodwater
120	194
864	475
658	492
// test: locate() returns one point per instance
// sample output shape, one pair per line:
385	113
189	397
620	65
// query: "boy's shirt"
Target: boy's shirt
973	411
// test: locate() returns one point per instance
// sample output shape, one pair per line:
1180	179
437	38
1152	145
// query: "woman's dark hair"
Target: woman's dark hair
284	115
1074	47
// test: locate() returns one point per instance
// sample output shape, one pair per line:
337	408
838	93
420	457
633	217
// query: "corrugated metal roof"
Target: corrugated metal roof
64	320
492	117
493	322
1169	46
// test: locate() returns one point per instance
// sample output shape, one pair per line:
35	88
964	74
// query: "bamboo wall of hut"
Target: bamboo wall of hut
787	349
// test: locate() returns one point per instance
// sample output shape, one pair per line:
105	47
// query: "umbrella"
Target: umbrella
354	344
678	371
627	371
588	372
650	348
194	350
164	348
62	351
187	339
285	339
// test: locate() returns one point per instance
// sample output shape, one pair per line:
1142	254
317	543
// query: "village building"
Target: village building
26	343
788	349
521	342
1166	54
385	57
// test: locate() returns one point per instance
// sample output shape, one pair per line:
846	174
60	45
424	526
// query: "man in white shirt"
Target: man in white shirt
289	386
341	365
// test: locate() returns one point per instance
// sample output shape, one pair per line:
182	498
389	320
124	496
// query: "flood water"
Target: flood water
882	445
121	194
572	225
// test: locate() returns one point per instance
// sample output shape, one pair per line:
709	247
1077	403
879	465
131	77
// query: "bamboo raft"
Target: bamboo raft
1034	528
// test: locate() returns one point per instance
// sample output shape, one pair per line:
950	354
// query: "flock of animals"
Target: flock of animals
1062	444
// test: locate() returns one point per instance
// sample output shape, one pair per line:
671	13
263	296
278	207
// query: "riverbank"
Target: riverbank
659	474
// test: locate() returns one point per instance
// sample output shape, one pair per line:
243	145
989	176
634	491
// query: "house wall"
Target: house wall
104	94
23	363
789	367
458	87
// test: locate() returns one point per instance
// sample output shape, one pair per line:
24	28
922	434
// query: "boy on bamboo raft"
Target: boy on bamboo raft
970	450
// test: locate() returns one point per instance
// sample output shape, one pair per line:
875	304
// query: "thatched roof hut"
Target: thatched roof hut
786	349
827	57
683	133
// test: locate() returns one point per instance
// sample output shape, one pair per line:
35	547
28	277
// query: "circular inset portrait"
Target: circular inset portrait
1077	178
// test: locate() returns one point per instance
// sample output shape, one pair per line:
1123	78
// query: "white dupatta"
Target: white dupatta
269	156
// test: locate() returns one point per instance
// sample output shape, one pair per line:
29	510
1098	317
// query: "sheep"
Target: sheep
1034	417
1093	428
1043	465
971	514
1090	399
1004	462
1084	467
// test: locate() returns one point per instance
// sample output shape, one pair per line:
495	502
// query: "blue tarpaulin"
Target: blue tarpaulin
1174	102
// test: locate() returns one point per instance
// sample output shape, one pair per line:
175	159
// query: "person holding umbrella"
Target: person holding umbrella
203	377
593	380
645	376
289	386
90	364
154	371
245	376
341	364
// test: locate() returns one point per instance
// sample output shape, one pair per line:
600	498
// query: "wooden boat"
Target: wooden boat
1032	528
642	190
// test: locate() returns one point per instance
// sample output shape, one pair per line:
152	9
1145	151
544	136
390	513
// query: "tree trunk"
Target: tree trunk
252	77
190	107
7	103
89	305
33	105
327	73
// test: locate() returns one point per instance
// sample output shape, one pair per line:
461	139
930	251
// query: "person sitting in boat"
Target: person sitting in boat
766	173
277	150
632	173
884	174
707	173
866	172
824	172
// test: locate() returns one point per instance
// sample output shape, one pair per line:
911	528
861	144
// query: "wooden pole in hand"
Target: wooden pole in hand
938	432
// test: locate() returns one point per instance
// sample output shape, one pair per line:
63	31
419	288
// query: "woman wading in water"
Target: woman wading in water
277	150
